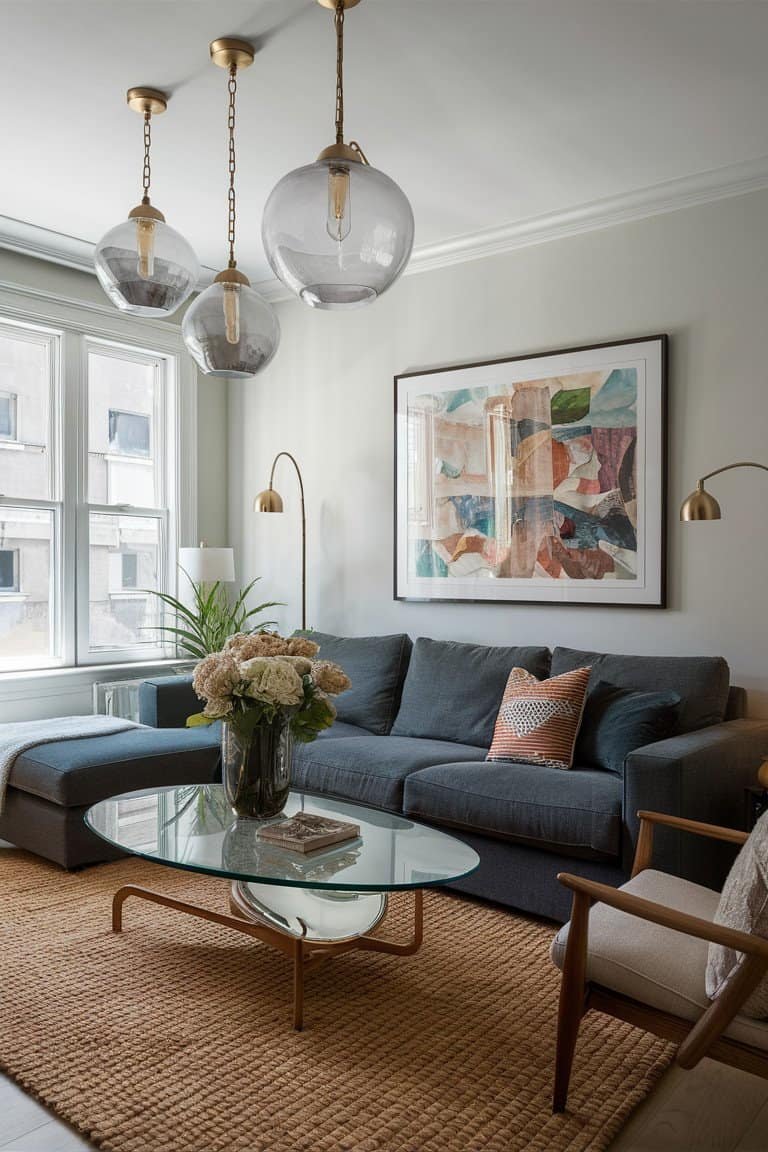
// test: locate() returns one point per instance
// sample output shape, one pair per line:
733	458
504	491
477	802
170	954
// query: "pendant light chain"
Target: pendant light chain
232	216
147	173
339	22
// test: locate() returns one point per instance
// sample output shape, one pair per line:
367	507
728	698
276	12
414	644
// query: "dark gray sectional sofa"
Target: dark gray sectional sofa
412	736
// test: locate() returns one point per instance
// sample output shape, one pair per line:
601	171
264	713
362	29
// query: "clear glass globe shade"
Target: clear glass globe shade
146	267
234	343
337	241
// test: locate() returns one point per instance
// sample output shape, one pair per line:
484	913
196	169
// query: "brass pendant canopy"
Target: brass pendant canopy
332	3
229	52
146	100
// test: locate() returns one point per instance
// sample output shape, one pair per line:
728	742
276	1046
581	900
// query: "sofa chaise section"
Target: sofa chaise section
53	784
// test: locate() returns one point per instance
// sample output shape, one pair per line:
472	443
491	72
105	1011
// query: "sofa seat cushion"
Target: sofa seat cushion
376	665
577	811
371	769
77	772
655	965
341	731
701	682
453	691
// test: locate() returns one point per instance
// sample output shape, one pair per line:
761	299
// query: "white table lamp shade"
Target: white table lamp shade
207	565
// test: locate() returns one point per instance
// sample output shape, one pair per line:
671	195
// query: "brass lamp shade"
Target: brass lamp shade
700	505
268	501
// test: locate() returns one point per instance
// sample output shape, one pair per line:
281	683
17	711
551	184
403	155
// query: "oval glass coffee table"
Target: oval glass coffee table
310	906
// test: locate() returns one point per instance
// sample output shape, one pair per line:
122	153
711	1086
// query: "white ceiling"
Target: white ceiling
487	112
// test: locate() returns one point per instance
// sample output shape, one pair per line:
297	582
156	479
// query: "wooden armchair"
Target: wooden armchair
609	963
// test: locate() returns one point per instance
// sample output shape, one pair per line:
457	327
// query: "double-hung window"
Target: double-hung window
90	494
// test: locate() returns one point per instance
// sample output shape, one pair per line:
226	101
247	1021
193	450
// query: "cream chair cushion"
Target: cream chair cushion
744	906
658	967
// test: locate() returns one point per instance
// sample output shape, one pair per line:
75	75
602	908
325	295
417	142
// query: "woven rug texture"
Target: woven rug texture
176	1036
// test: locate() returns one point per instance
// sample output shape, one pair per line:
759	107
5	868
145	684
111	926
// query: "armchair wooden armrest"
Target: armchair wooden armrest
574	990
666	917
648	821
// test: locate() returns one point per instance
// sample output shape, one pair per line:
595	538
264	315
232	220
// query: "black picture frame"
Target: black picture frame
566	592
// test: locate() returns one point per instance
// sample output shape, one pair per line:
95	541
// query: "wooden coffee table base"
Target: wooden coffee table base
306	954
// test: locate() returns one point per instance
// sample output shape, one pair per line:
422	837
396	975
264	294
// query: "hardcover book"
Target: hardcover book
306	832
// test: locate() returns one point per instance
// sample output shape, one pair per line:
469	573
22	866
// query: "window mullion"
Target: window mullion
75	527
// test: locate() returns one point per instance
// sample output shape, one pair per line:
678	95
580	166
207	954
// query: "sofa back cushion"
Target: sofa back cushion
616	721
376	665
701	682
453	691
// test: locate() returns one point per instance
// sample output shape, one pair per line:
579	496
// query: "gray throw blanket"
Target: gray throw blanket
21	736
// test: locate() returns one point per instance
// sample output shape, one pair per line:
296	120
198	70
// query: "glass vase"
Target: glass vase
256	769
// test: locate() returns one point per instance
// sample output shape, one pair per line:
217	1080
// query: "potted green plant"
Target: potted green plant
205	625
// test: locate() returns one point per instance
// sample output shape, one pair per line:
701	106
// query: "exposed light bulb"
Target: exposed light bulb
339	219
232	312
145	242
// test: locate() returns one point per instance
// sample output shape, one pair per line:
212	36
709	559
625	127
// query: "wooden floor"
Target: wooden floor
711	1109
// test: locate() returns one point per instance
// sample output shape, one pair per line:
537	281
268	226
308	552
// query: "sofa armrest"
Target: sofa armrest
701	776
167	701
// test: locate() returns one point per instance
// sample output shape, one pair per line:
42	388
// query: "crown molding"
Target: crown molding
43	244
670	196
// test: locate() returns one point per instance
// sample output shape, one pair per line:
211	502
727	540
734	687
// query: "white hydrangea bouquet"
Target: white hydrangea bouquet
268	691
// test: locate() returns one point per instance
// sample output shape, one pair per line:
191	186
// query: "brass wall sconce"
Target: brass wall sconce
701	505
271	501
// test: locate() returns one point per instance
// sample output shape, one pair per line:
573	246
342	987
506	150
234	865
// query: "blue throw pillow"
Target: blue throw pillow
700	681
376	665
617	720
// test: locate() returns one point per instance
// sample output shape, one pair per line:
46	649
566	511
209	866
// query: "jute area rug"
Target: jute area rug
176	1036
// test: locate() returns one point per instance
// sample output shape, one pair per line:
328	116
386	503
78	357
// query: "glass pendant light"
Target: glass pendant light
338	232
144	266
229	330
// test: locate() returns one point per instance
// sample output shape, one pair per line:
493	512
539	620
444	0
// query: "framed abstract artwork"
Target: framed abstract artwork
535	479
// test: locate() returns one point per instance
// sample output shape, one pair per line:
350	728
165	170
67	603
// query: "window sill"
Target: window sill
11	444
16	685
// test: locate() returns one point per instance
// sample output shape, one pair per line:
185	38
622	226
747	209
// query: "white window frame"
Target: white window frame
74	325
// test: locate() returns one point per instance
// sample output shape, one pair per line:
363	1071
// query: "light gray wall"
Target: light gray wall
212	394
700	274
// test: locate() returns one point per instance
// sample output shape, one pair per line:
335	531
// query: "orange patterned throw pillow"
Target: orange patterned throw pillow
538	720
